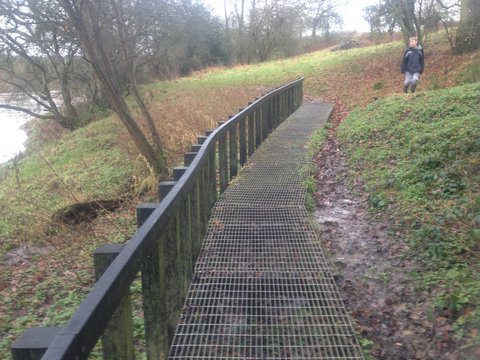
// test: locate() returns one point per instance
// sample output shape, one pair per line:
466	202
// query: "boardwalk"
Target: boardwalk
262	288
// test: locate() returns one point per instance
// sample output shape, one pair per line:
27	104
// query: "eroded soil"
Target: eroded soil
372	270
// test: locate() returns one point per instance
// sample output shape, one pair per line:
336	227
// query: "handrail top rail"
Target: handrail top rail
100	303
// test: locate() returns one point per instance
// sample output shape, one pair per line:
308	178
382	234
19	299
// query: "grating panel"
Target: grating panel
262	288
272	318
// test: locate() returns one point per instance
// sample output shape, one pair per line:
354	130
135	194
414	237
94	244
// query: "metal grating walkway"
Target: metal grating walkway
262	288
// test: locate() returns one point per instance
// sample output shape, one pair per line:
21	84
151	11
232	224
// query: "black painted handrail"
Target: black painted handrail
79	336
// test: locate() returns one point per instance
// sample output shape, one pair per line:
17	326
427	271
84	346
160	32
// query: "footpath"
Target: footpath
262	288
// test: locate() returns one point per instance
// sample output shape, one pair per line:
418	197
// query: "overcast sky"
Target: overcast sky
352	13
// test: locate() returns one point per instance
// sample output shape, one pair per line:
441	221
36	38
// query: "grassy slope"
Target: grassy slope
420	159
63	171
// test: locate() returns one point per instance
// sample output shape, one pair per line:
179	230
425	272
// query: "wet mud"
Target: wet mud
372	271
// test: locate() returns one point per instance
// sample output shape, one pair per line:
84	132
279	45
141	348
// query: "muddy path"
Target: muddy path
372	270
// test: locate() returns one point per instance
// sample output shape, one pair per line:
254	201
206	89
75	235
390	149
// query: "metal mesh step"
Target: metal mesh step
262	288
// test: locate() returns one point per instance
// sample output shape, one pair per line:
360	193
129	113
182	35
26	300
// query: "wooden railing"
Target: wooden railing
164	248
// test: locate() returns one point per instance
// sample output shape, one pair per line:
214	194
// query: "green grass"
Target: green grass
274	73
87	164
316	141
420	158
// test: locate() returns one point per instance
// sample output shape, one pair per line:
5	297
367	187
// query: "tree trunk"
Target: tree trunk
226	16
468	34
85	19
70	112
129	59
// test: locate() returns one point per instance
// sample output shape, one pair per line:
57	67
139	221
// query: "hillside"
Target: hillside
99	162
418	159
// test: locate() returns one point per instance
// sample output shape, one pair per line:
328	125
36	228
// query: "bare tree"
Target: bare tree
412	17
468	34
274	29
449	14
322	15
127	48
40	57
380	19
85	18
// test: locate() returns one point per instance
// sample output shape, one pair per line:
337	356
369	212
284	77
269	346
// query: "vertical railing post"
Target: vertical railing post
295	92
183	236
277	113
258	126
270	115
184	227
154	288
251	132
212	177
233	151
212	174
201	212
188	158
164	188
183	233
201	139
263	110
174	285
223	161
301	93
281	106
171	276
117	338
198	213
294	98
242	127
290	100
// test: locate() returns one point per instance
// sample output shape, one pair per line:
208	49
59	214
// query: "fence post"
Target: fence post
212	177
251	132
223	161
212	174
242	128
301	93
183	236
280	108
288	102
233	151
188	158
201	139
292	106
295	96
258	126
171	277
117	338
198	214
270	115
153	291
33	343
275	111
200	201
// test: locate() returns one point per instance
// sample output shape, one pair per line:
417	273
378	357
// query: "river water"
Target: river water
12	137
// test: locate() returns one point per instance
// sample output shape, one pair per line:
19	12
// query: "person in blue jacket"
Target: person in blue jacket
412	65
